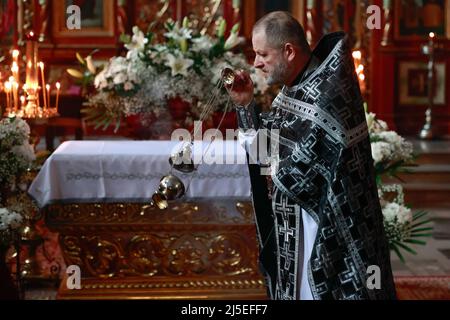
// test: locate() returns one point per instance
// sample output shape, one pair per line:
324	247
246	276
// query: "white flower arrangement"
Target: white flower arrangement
10	221
16	157
186	65
397	214
393	154
16	153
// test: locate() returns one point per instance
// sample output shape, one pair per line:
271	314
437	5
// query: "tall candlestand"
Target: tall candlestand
31	83
428	132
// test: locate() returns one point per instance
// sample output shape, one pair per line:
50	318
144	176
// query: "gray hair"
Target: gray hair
280	28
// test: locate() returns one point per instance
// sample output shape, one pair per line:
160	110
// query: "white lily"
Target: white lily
90	65
100	81
75	73
178	64
232	41
178	34
138	40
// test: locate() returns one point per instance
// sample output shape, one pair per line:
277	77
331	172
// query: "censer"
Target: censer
230	78
182	160
170	186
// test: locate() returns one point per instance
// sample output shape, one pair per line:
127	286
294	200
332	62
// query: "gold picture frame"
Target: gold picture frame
413	83
414	21
97	19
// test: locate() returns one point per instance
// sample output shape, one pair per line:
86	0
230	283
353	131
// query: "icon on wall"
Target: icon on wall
415	19
413	86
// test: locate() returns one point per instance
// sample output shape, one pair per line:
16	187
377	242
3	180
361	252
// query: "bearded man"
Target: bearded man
321	230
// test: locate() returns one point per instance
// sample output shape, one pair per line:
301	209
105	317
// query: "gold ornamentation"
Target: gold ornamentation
162	253
230	255
65	215
188	256
190	250
145	255
102	257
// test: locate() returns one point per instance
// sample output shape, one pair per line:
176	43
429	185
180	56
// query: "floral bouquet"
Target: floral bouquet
392	154
9	221
16	158
16	153
186	66
402	227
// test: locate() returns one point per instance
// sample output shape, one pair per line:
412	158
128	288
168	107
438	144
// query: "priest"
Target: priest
320	229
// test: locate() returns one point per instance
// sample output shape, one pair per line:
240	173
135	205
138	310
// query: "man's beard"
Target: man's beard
279	74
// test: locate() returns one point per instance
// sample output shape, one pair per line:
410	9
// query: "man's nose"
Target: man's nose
258	63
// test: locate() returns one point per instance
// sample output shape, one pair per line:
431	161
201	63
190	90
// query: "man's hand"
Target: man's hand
241	91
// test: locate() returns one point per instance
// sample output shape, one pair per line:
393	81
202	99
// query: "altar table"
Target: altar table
96	195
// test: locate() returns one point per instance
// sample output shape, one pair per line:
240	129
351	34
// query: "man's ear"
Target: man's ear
290	51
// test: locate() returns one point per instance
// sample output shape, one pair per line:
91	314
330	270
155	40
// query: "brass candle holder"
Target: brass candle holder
428	131
27	104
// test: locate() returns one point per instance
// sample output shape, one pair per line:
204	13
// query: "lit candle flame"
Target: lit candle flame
359	69
357	55
15	54
15	67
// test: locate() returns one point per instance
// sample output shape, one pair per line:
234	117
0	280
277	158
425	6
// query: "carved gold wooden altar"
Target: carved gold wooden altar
132	251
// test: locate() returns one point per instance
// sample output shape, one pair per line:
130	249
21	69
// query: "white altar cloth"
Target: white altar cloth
130	171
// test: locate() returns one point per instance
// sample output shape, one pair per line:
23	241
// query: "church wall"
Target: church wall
389	53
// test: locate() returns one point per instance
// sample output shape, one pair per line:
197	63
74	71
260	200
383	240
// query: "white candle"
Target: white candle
15	99
15	71
7	91
47	86
15	64
38	103
41	66
58	87
16	96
